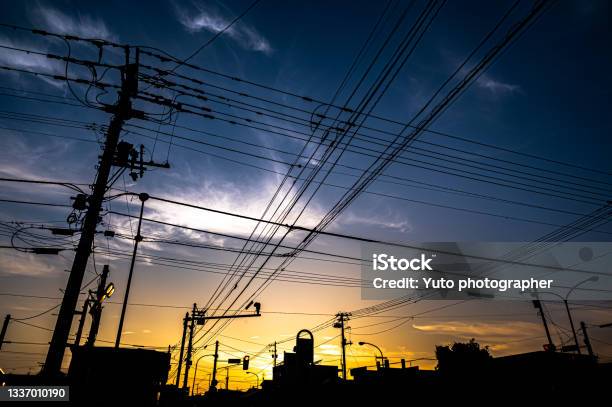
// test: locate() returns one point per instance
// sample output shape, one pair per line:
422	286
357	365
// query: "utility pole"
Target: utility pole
180	361
122	111
537	304
137	239
275	354
190	345
569	315
587	341
213	382
199	317
83	313
96	311
7	319
342	318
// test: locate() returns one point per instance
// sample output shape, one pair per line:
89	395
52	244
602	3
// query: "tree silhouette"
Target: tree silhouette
462	358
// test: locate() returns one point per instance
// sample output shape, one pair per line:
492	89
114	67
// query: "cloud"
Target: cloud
485	81
204	18
393	223
25	264
250	201
497	87
30	62
28	158
82	25
328	349
484	330
57	21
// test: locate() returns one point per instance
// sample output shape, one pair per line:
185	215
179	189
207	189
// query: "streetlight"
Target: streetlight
196	371
256	378
382	357
567	308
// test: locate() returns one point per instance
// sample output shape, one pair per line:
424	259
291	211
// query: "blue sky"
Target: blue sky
548	96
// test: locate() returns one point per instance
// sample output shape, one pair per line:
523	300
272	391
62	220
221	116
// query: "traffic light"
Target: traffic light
245	363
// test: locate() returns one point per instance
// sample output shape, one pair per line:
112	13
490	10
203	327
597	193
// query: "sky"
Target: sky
528	140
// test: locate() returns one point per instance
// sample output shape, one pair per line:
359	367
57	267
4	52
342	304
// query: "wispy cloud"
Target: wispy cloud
82	25
392	222
486	81
27	158
29	62
225	196
204	18
24	264
483	330
497	87
53	20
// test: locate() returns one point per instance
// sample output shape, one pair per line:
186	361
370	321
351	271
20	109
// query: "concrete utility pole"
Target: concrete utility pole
96	312
213	382
122	111
7	319
83	313
190	345
199	317
137	239
275	354
342	318
569	316
587	341
180	361
537	304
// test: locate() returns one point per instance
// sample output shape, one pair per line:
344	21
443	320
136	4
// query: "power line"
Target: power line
454	169
169	58
286	226
216	36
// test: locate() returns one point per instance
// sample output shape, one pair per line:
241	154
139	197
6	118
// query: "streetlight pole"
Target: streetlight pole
567	308
195	372
382	357
137	239
256	378
569	314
